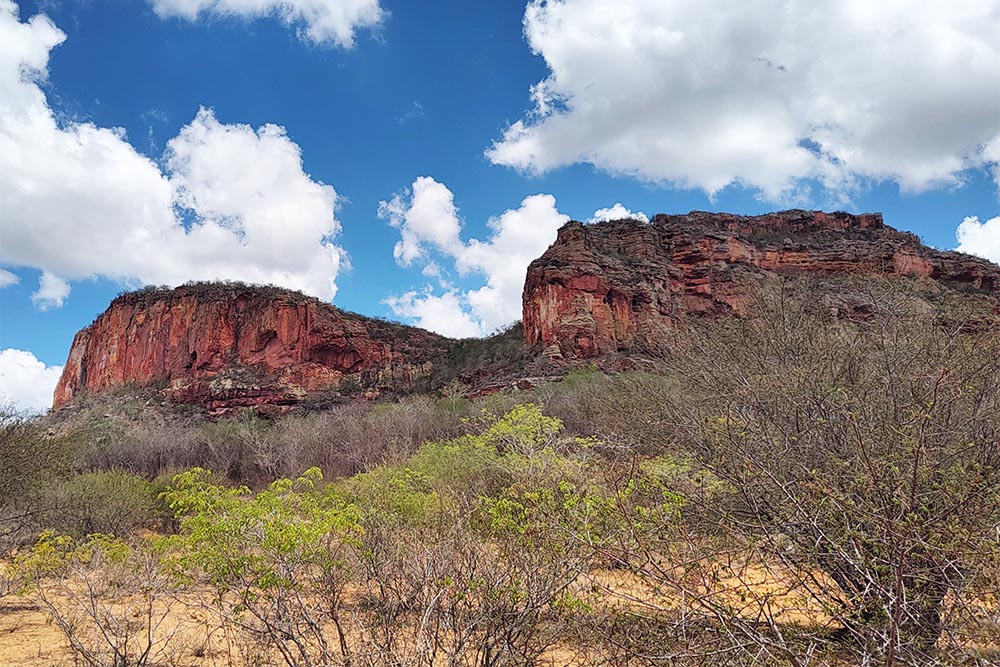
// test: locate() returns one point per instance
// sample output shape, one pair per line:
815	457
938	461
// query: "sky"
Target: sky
408	160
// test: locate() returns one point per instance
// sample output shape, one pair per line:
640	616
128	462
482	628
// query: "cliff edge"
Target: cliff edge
614	287
230	345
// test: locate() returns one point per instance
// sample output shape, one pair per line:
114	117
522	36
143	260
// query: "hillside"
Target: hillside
618	287
610	293
224	345
804	469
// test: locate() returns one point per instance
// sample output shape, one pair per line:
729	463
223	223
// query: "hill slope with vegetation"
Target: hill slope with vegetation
807	484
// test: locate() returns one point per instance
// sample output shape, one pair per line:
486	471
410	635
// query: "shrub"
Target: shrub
277	560
29	458
111	502
108	597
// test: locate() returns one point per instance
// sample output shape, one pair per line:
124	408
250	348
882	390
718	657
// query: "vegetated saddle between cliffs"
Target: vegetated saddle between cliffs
601	290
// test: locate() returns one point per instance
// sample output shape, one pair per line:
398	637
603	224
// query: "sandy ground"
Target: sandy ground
29	637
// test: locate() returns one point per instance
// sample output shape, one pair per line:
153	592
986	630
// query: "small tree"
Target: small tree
277	560
867	451
29	458
109	598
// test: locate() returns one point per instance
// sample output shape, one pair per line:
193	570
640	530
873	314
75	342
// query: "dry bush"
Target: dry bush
449	595
358	436
625	411
247	448
860	458
146	447
111	600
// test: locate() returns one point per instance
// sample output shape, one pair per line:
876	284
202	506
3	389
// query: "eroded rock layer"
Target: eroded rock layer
616	287
223	346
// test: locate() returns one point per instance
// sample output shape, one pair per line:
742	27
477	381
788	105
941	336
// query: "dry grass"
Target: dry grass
755	592
28	637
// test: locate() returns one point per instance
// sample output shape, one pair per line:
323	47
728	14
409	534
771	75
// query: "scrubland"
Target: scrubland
798	487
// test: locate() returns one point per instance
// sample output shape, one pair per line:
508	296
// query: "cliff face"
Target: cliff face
604	289
224	346
616	286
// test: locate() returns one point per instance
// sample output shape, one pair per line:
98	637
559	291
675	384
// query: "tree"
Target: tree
29	458
866	450
277	560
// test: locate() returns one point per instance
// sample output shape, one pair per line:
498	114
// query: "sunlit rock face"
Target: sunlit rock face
224	346
619	286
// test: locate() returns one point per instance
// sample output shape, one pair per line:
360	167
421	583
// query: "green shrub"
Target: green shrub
112	502
277	560
396	494
28	457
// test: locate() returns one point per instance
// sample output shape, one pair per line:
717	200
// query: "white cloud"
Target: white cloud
991	152
51	293
78	201
980	238
518	236
446	313
763	94
617	212
431	270
26	384
320	21
428	222
7	278
425	214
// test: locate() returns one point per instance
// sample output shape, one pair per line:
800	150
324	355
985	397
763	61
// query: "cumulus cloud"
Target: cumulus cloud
327	22
980	238
425	216
231	202
51	293
26	384
7	278
447	313
991	152
617	212
517	237
762	94
429	223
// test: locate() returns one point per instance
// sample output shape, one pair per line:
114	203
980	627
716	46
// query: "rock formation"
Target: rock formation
229	345
614	287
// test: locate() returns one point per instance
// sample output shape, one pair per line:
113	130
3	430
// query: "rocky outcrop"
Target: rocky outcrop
612	289
616	287
229	345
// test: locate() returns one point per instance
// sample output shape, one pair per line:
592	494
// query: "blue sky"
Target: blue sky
408	159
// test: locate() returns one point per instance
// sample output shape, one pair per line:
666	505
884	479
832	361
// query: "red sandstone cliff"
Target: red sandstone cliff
602	289
615	286
223	346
